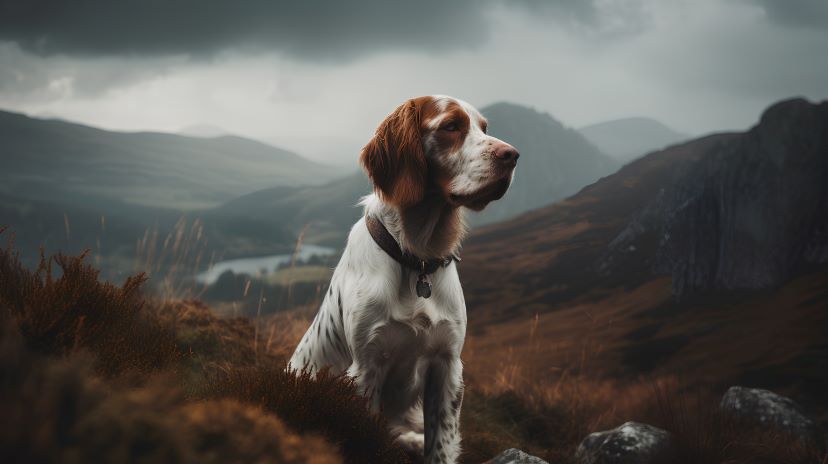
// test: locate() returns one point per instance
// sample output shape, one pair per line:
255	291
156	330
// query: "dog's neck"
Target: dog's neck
430	229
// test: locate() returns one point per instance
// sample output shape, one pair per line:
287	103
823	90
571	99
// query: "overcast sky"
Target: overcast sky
319	77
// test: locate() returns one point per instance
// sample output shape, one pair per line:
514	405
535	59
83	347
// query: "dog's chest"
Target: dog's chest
407	348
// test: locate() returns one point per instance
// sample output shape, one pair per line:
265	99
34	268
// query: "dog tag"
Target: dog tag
423	287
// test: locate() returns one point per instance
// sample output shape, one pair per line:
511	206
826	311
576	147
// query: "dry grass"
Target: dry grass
75	311
94	369
307	405
548	413
58	410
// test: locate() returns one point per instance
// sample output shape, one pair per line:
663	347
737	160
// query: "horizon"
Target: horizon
209	131
318	79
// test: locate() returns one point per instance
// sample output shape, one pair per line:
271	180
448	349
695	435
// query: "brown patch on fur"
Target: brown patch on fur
394	158
448	142
396	162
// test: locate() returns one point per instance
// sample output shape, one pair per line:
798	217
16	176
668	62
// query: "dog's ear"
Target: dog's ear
394	158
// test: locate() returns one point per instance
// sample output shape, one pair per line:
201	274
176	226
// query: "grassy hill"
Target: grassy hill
62	162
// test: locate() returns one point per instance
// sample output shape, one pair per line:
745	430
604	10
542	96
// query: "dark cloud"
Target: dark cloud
27	77
808	13
329	29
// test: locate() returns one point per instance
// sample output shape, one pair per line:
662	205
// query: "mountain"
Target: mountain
58	161
709	257
628	138
202	130
555	161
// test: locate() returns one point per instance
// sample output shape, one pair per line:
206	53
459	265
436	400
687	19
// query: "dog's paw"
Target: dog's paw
412	441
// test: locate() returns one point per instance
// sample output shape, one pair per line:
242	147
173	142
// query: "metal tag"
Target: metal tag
423	287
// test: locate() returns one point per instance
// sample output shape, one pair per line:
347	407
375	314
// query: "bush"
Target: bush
92	371
75	311
57	410
326	404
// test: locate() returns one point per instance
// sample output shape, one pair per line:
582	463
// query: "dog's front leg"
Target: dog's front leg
369	377
442	398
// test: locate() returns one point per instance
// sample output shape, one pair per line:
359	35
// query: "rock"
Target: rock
744	211
515	456
776	412
631	443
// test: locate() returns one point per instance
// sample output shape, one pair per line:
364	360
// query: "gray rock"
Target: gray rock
776	412
631	443
745	211
515	456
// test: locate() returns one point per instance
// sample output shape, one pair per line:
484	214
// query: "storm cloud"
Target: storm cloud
312	29
810	13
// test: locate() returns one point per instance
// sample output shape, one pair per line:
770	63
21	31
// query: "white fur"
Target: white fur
384	324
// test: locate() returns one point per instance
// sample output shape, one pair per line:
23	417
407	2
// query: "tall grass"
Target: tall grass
510	403
200	377
173	261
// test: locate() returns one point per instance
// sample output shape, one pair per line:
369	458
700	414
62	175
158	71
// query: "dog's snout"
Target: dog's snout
506	154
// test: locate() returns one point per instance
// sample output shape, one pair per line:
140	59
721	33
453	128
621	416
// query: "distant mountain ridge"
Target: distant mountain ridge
58	160
629	138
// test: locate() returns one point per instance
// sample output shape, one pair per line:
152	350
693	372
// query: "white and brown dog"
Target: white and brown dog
394	317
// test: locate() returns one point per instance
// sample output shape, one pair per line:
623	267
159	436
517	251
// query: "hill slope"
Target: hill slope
731	224
64	162
628	138
325	212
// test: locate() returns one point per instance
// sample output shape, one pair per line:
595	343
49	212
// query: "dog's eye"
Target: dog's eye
485	128
451	127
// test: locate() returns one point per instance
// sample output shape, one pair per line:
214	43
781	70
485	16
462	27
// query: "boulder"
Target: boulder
515	456
772	411
631	443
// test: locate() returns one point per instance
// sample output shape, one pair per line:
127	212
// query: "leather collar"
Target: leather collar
385	241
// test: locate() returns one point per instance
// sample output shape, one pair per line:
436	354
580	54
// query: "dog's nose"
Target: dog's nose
507	154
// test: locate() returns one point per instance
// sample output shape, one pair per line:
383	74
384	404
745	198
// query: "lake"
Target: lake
259	265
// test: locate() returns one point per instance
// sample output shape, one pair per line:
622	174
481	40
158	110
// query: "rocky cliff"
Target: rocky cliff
748	212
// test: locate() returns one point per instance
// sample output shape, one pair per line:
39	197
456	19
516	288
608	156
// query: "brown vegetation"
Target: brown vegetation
94	371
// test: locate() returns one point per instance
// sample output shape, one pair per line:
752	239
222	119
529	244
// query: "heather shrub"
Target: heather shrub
93	371
58	410
73	310
326	404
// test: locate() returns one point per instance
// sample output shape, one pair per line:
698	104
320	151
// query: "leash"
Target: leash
390	246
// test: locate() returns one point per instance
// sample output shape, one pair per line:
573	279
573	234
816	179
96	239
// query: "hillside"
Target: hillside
574	327
70	163
328	211
690	259
629	138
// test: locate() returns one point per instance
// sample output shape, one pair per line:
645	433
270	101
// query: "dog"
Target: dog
394	317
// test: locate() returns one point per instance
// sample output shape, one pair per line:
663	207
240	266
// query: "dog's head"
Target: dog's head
438	143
